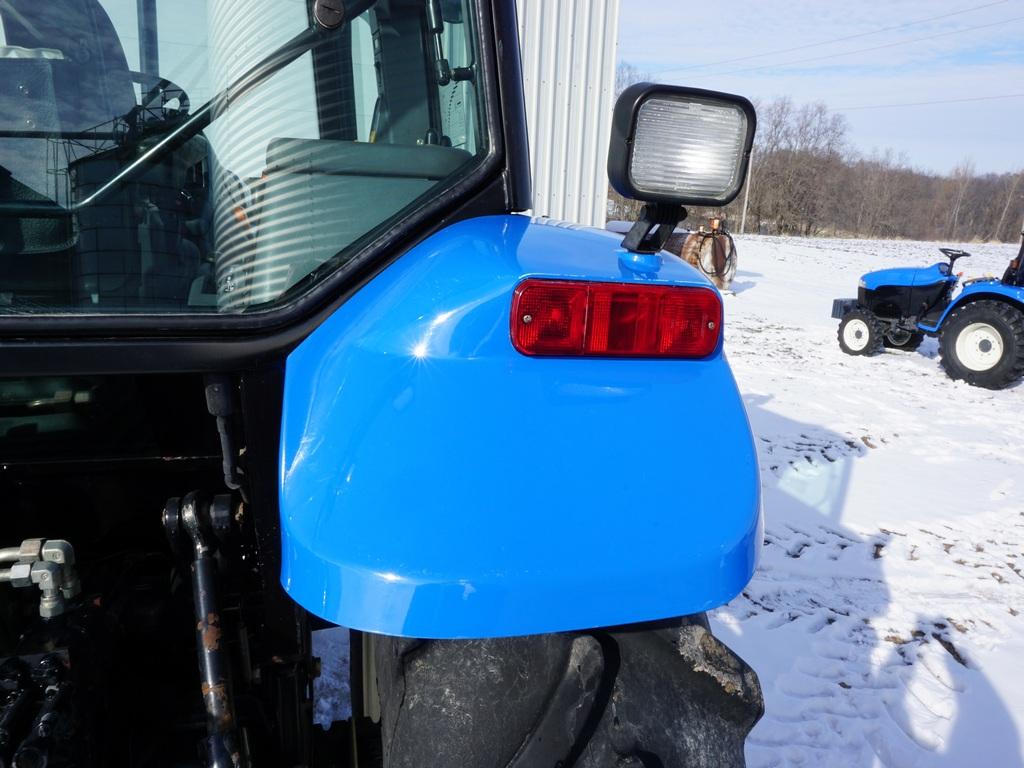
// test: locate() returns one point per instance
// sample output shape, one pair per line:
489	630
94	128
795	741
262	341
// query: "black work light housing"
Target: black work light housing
673	146
682	146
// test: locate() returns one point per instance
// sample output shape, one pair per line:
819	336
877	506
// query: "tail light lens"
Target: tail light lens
570	318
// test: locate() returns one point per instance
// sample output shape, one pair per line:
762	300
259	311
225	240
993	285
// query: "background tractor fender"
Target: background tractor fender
984	290
895	276
436	483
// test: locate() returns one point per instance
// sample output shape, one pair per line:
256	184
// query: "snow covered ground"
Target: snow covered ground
884	621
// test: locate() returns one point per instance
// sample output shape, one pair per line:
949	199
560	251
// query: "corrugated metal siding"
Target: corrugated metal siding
569	49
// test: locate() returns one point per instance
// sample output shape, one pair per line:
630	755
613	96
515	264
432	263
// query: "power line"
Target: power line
865	50
833	40
928	103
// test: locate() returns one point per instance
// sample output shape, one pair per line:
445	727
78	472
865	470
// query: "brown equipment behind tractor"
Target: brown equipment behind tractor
711	250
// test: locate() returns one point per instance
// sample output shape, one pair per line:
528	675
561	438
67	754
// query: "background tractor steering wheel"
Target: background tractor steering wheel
953	254
159	92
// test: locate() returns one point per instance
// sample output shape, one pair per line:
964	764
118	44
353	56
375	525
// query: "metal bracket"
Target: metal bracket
655	226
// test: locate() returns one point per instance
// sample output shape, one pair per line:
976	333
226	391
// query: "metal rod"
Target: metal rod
149	39
10	554
224	746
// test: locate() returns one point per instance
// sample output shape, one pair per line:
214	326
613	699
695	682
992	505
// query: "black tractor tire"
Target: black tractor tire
905	341
982	343
861	333
617	698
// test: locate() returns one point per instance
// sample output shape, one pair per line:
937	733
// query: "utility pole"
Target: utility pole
746	194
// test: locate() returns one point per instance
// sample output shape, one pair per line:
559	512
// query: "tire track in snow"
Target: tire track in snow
893	568
878	674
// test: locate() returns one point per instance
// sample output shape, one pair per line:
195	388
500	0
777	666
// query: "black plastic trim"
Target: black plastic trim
518	178
841	306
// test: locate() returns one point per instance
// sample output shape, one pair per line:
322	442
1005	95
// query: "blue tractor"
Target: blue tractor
280	352
980	329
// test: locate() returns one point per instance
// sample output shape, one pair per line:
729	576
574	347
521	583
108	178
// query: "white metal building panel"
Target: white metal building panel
569	50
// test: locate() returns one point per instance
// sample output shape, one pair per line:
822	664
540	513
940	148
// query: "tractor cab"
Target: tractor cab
1014	274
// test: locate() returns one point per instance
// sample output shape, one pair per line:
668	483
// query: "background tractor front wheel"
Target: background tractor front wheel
860	333
615	698
983	344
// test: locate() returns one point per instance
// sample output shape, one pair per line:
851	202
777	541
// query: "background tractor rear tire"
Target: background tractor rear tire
860	333
982	343
616	698
905	341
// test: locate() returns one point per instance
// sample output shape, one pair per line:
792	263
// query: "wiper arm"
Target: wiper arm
330	16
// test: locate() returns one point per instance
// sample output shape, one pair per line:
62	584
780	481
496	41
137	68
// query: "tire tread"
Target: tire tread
625	696
876	338
1005	372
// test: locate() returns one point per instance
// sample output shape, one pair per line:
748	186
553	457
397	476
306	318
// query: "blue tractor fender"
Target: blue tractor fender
903	276
976	291
436	483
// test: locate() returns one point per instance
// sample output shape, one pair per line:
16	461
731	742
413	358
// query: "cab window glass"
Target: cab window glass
256	198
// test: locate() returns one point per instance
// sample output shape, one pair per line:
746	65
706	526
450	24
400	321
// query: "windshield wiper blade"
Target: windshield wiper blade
277	60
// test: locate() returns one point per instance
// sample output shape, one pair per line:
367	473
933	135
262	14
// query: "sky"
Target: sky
860	58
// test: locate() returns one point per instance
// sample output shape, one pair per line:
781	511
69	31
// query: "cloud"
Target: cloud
974	52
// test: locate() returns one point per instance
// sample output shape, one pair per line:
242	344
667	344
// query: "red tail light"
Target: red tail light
568	318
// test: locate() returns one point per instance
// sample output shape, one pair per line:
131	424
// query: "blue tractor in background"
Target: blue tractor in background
280	352
980	329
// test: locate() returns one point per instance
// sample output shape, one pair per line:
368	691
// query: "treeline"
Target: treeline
806	179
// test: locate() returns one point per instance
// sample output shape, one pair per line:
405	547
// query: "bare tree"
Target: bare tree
626	75
960	182
619	208
805	179
1013	185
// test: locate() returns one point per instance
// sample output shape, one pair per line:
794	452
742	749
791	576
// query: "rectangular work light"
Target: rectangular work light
680	146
